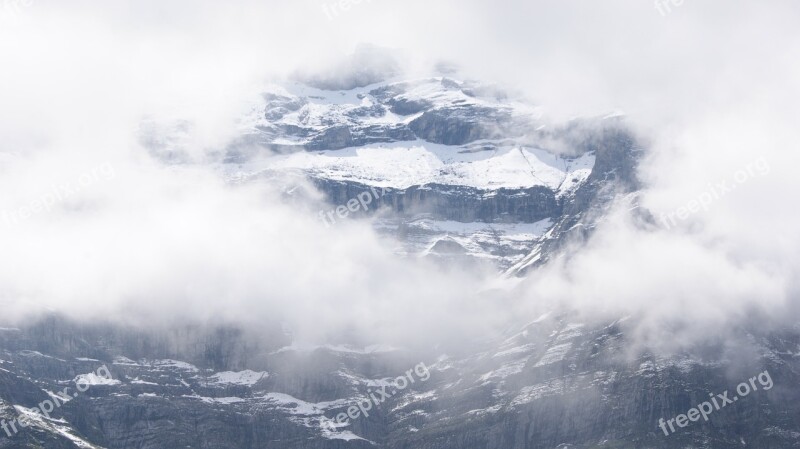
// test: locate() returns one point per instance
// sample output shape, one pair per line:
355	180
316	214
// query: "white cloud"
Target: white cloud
712	86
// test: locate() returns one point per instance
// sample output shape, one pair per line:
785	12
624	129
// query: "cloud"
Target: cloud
712	86
151	244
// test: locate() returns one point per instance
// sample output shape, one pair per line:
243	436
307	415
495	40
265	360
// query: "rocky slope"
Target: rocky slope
453	170
553	383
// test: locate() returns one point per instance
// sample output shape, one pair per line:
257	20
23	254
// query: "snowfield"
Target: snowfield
401	165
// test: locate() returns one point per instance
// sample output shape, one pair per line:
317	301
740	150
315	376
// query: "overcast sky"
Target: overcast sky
713	86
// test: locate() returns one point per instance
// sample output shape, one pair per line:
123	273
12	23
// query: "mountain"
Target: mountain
457	163
551	383
458	171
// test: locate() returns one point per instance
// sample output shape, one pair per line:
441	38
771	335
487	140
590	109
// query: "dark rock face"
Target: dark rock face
403	106
392	96
458	126
447	246
553	383
613	176
277	106
457	203
332	138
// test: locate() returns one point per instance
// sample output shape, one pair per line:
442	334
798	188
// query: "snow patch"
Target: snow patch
296	406
246	377
93	379
506	370
401	165
120	360
554	354
169	363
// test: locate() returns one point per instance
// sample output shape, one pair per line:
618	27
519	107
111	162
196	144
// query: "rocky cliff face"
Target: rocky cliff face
554	383
454	203
453	153
454	170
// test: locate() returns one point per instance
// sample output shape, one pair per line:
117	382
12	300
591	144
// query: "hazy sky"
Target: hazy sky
712	85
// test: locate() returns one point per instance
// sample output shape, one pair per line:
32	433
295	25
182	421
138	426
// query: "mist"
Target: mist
95	227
